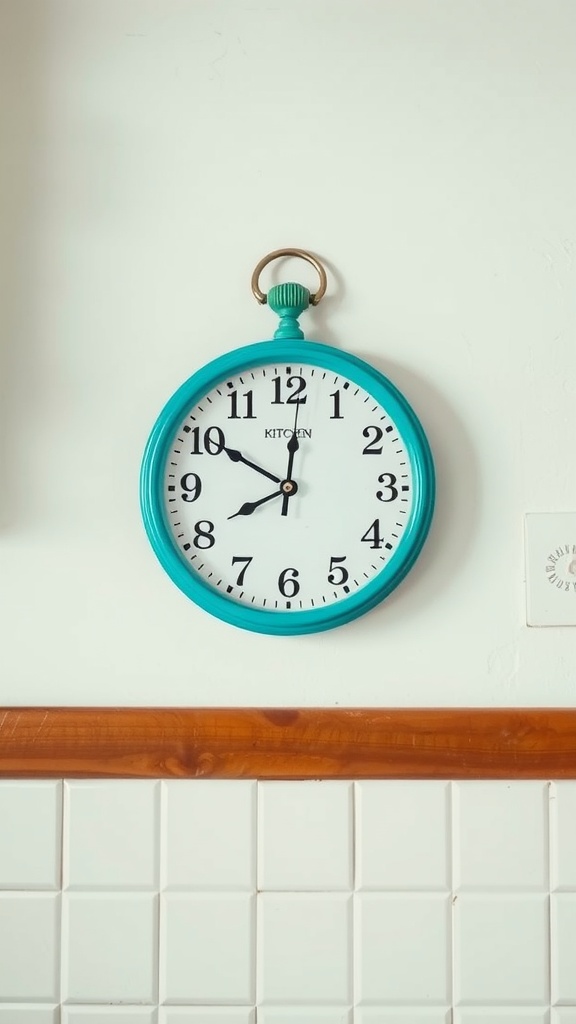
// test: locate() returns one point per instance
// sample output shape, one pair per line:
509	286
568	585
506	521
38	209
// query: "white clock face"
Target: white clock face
287	487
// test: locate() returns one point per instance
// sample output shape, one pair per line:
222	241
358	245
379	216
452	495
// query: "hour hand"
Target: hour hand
237	456
250	506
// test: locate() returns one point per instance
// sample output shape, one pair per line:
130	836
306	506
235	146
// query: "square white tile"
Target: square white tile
304	949
109	947
500	836
403	835
31	816
403	1015
207	1015
502	1015
563	943
304	1015
25	1013
207	950
305	836
29	947
109	1015
563	834
111	835
402	948
209	834
563	1015
501	949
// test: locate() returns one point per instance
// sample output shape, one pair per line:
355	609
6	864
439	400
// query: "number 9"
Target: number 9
191	491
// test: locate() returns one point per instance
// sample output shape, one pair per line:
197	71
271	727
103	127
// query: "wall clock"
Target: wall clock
287	487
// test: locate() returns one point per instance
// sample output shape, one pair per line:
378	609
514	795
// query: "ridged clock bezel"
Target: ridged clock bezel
294	622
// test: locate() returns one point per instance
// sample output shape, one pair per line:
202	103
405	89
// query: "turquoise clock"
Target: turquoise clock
287	487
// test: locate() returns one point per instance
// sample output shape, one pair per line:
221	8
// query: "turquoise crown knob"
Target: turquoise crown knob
288	301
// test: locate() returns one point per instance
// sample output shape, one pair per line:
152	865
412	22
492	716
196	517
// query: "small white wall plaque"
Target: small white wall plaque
550	555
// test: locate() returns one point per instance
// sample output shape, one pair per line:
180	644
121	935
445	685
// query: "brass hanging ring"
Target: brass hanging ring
260	296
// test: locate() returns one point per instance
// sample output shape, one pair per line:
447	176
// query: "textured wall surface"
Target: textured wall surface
152	152
287	903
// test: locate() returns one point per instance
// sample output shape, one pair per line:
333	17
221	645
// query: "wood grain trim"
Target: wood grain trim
299	743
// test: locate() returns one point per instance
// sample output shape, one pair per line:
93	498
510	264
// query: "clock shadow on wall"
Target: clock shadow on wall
458	498
23	358
458	495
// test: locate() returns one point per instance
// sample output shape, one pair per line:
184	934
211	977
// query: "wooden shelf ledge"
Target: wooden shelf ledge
290	743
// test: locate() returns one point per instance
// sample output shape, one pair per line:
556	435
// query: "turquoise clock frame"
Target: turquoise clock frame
287	346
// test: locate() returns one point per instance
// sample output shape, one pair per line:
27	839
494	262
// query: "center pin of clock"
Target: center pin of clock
289	487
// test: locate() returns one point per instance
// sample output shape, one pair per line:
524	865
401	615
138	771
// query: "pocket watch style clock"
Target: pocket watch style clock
287	487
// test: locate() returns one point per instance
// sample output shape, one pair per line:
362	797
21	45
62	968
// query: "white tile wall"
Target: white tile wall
403	836
303	1015
209	902
402	1015
305	836
501	952
563	942
25	1013
500	836
30	823
304	949
109	947
502	1015
111	835
392	932
108	1015
209	836
29	946
563	835
207	948
207	1015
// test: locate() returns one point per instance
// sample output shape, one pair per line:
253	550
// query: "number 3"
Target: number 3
388	479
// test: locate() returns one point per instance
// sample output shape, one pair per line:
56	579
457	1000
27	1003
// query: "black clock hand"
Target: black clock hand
293	446
236	456
250	506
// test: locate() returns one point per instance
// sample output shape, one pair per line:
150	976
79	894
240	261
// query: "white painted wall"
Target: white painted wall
152	151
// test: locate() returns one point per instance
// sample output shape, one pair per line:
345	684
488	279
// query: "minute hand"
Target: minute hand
237	456
293	446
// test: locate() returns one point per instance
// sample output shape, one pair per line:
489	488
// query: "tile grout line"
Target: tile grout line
354	852
64	814
257	897
452	804
552	795
161	853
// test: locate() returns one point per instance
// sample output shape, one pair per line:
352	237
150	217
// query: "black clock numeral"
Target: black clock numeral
293	382
370	448
241	558
204	531
343	574
213	441
336	415
372	535
249	406
191	485
390	492
288	585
